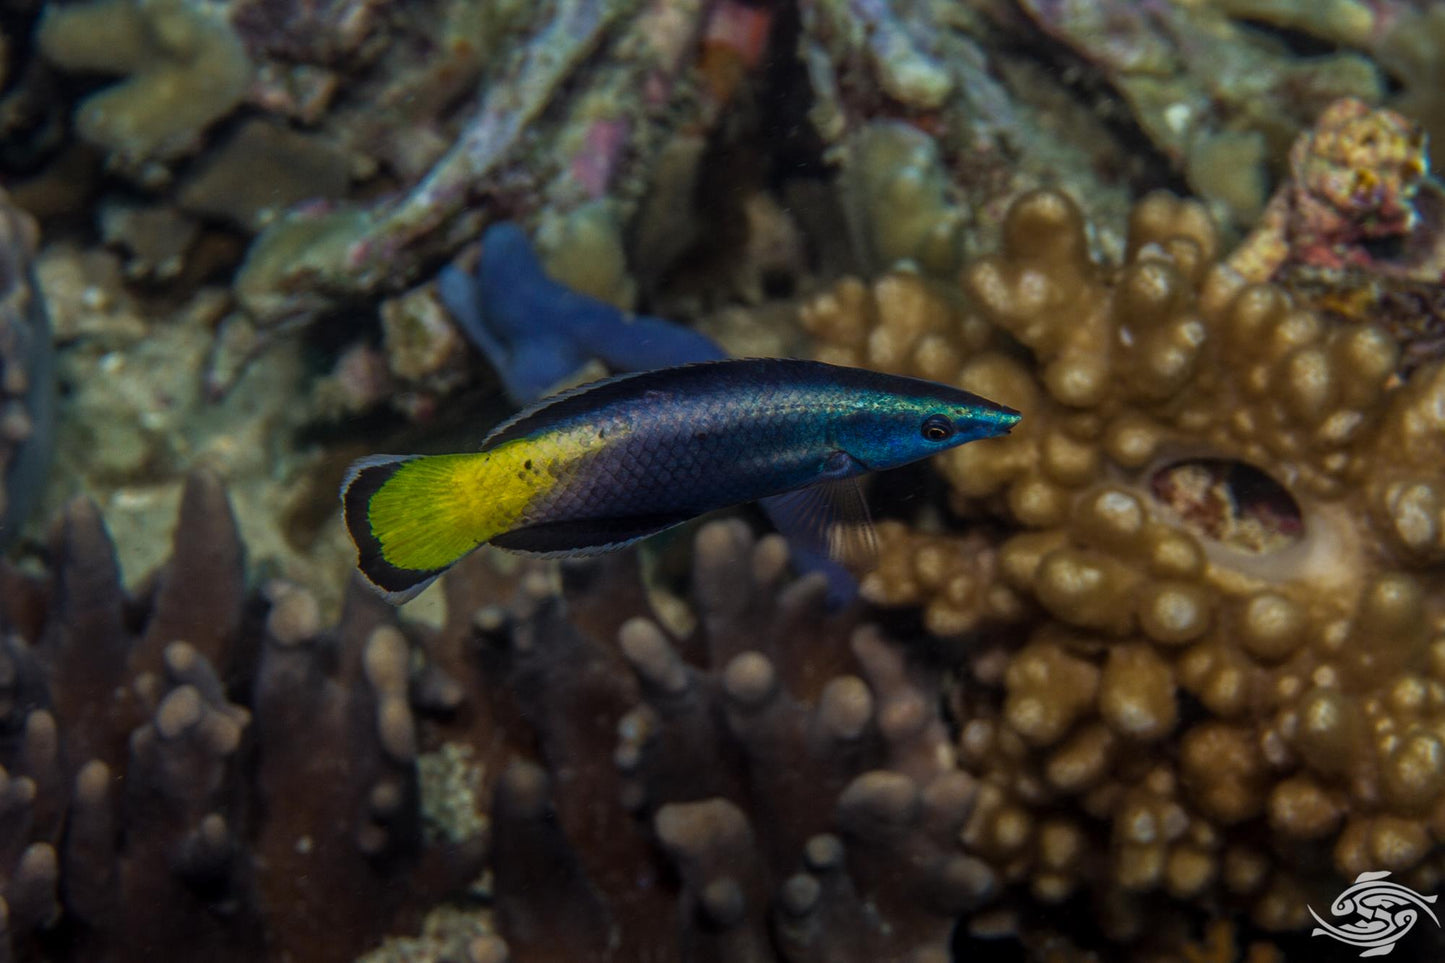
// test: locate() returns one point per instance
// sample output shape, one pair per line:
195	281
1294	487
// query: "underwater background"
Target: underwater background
1153	678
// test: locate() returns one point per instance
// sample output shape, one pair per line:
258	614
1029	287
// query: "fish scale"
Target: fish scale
746	457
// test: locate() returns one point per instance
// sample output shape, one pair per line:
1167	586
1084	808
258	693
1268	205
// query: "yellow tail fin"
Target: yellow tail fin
412	517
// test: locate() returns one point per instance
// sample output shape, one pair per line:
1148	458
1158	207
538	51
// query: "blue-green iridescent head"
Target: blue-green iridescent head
899	420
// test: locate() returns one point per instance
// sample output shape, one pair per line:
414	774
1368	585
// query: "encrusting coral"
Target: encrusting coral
1225	571
1357	181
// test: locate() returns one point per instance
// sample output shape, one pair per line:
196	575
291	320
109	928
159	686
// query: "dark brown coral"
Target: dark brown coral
27	378
192	770
181	781
801	784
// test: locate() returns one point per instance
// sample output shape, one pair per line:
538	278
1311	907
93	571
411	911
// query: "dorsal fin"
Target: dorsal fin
597	394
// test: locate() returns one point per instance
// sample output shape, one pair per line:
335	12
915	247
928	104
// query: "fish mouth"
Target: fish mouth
1002	419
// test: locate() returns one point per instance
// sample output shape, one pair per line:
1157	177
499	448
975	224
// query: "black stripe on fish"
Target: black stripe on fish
585	536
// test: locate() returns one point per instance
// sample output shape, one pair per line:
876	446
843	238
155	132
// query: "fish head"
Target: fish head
911	420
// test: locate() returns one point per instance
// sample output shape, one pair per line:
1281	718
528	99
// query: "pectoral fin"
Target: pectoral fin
830	518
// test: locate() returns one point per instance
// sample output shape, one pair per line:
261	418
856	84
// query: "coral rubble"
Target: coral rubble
556	125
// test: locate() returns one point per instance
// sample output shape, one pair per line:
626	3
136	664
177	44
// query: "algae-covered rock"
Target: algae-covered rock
263	169
899	201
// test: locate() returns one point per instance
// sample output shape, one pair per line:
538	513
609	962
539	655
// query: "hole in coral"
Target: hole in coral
1230	502
1384	248
1005	948
778	285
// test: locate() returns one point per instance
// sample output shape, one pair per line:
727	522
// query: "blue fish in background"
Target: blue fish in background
538	333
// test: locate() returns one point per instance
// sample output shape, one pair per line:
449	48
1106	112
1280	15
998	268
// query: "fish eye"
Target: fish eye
937	428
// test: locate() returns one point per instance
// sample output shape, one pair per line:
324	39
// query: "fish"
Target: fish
538	333
602	466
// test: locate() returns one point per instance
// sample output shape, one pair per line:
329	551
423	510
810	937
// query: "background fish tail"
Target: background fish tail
412	517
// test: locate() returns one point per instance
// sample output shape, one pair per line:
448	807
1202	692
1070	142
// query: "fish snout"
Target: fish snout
991	420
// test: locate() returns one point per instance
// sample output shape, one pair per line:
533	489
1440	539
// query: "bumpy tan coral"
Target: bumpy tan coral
955	580
902	324
1228	564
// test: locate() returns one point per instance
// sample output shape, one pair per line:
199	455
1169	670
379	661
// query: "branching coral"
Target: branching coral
559	124
134	825
1228	569
808	814
185	67
779	782
261	170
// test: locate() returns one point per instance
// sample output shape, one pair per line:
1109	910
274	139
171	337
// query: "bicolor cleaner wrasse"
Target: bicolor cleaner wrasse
609	463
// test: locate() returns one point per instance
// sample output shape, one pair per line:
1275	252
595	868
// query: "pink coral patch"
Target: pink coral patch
595	164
